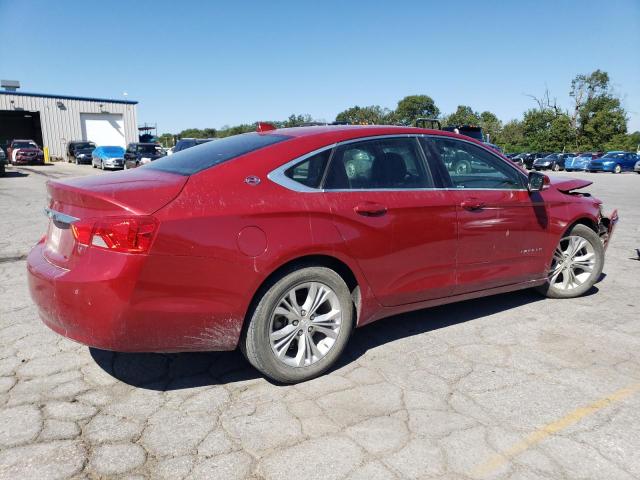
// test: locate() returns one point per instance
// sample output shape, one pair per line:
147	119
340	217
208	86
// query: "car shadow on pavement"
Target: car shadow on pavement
14	174
174	371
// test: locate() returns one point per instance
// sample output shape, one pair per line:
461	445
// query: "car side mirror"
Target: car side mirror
537	181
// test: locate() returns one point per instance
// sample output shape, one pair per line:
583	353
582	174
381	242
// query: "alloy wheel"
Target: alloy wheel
573	263
617	169
305	324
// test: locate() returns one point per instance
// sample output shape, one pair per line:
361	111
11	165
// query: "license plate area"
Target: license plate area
59	244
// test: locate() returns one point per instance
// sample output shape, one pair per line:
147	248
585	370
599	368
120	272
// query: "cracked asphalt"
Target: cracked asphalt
506	387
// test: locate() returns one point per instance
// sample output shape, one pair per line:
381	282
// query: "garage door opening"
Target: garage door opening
103	129
19	124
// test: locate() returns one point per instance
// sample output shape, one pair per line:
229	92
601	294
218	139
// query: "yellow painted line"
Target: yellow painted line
498	460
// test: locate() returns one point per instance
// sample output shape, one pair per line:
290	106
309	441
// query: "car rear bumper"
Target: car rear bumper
121	302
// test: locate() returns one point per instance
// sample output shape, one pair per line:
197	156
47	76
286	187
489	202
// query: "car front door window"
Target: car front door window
471	167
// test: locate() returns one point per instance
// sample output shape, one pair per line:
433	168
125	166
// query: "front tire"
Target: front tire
617	169
556	167
101	165
576	264
300	325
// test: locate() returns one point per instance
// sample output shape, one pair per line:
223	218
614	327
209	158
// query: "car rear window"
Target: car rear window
206	155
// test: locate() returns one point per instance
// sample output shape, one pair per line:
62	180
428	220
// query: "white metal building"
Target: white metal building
54	120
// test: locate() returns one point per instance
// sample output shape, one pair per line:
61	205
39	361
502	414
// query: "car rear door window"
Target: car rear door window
385	163
309	172
472	167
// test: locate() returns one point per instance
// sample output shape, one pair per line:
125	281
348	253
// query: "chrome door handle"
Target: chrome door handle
370	209
473	204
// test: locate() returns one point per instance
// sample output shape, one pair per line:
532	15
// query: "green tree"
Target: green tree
601	120
491	126
167	140
227	131
413	107
297	120
464	115
511	137
598	117
198	133
371	115
547	130
629	142
633	142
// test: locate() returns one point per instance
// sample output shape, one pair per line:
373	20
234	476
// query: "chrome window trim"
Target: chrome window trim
60	217
278	176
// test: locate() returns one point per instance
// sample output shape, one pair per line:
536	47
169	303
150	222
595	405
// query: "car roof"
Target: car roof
346	132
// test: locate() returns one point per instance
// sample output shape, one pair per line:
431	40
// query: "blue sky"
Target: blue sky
207	64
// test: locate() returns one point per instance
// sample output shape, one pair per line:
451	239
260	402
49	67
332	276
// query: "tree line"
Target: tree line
595	120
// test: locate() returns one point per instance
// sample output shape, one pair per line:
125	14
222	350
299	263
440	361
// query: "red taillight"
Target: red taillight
82	231
120	234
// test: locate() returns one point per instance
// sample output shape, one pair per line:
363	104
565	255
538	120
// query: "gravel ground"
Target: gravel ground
510	387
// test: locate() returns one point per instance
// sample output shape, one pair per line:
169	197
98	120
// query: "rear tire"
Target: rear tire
288	343
576	264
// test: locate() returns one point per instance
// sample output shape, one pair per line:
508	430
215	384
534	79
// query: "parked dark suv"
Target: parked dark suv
80	152
185	143
138	154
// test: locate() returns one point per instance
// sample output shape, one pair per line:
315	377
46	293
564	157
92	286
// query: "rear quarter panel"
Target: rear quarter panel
232	235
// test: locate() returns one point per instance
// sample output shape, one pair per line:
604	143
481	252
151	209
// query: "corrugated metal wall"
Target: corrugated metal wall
61	126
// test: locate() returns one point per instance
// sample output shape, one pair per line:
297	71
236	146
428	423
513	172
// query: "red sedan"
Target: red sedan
282	241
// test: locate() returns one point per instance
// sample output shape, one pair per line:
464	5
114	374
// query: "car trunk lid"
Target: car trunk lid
134	193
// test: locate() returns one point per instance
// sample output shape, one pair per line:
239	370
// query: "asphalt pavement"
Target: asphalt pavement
505	387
